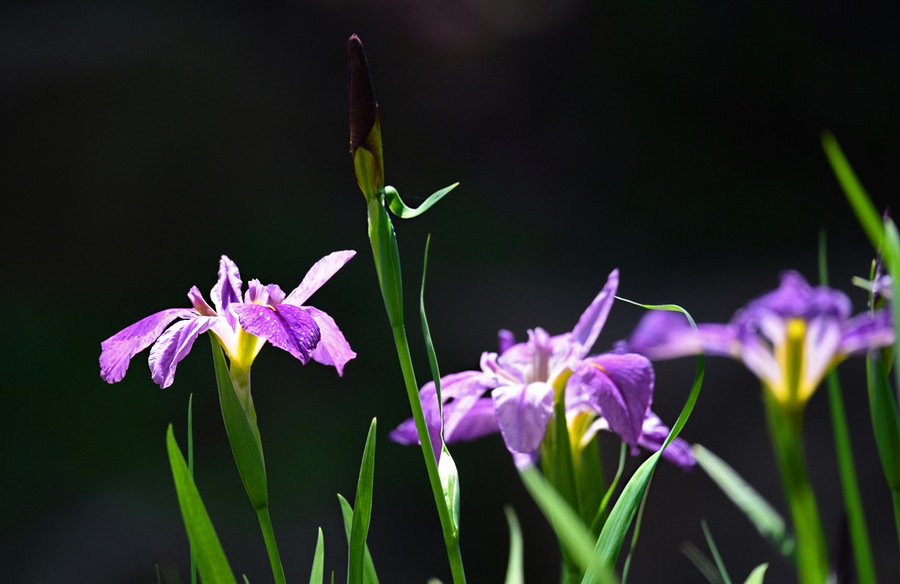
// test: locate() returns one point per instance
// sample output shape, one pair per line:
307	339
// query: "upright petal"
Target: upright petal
505	340
285	326
591	322
174	345
227	290
323	269
117	350
523	412
621	388
333	348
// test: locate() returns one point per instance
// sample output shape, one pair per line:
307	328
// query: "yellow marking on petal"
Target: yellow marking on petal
577	426
792	393
559	385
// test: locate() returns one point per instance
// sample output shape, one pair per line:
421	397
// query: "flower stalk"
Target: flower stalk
786	432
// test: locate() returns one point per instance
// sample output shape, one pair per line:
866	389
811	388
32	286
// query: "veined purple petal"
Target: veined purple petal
477	421
523	412
227	290
865	331
323	269
591	322
285	326
466	390
621	388
117	350
655	434
199	303
823	336
333	348
174	345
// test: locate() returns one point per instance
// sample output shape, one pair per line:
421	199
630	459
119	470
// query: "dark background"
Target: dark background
679	142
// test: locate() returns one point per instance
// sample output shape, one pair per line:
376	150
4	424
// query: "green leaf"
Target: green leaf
756	576
190	437
762	515
399	208
715	552
369	576
387	260
211	560
447	470
515	568
573	534
362	512
244	441
318	568
884	422
613	534
701	562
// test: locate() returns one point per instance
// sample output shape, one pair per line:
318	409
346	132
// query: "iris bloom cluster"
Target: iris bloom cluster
614	390
242	327
789	338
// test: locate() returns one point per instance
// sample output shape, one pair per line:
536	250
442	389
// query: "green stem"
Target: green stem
786	431
409	376
859	535
269	535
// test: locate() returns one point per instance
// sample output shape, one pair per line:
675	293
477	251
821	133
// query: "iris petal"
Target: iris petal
320	273
174	345
286	327
333	348
523	412
117	350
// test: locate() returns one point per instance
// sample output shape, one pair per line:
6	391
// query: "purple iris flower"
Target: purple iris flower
790	337
522	381
242	327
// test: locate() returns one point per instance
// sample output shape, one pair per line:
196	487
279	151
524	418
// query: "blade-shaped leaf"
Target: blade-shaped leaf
211	560
244	441
399	208
515	568
571	531
362	512
369	576
756	576
720	565
318	567
760	513
613	534
701	562
884	421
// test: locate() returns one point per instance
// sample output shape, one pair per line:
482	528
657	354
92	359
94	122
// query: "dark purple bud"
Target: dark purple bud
363	109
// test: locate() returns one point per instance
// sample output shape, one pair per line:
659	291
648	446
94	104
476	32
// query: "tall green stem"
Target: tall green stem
412	390
786	431
269	535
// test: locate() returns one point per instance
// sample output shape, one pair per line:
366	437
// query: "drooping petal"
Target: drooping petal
592	320
323	269
654	435
333	348
523	412
286	327
227	290
621	388
479	420
117	350
865	331
174	345
466	390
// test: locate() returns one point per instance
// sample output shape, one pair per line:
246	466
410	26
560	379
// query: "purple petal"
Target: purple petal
591	322
174	345
227	290
117	350
477	421
199	303
506	340
466	390
405	433
664	334
323	269
285	326
865	331
333	348
523	412
621	388
655	434
524	460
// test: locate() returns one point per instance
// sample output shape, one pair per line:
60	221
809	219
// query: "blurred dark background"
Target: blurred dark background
679	142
